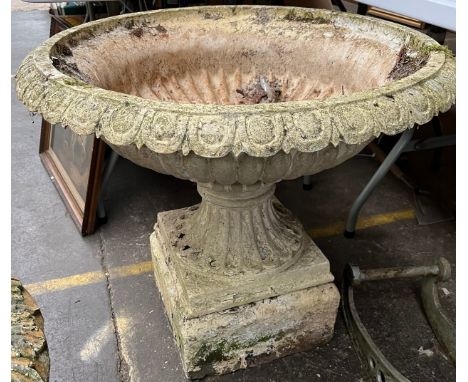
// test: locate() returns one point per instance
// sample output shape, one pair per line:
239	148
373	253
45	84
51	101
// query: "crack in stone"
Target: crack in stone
122	365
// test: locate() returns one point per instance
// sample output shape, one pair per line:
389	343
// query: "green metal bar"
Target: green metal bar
442	327
440	270
378	367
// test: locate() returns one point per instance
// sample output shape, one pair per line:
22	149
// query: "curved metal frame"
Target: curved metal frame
378	367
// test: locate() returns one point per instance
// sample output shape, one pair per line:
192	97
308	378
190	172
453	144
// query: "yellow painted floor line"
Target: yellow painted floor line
146	266
65	282
132	270
87	278
362	223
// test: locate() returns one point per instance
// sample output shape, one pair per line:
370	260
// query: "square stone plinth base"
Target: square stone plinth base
222	341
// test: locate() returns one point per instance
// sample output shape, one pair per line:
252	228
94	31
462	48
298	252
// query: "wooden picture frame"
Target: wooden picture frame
79	184
80	197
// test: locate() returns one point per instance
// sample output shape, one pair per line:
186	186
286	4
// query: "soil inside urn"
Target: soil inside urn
408	62
185	63
260	90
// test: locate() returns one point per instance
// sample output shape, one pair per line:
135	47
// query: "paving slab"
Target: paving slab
80	334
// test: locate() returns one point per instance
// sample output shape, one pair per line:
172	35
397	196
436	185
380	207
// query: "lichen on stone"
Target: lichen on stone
306	17
29	354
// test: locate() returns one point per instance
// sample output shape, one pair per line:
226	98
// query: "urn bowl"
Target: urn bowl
238	95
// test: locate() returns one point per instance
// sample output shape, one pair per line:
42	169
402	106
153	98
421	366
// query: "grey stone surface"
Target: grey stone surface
80	334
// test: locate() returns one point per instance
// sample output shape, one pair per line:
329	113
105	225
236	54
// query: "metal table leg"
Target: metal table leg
375	180
362	9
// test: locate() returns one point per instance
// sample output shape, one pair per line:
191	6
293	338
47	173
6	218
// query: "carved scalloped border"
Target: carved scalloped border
216	130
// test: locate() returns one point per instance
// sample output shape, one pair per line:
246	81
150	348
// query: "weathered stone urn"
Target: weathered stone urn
237	99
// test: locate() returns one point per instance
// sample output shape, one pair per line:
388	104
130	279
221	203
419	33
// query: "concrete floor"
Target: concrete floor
104	319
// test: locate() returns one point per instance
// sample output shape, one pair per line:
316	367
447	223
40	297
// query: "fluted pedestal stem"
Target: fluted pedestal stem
243	232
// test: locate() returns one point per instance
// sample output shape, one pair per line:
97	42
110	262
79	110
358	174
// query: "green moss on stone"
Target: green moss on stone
306	17
208	354
415	43
427	49
212	353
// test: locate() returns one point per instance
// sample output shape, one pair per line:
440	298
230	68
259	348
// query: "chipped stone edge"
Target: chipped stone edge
214	131
29	351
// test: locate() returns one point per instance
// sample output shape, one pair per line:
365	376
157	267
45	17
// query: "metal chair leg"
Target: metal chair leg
437	156
101	212
90	16
375	180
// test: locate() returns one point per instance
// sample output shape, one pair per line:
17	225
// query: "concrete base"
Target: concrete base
219	340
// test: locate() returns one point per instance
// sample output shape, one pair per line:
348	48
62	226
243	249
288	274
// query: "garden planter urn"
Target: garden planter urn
237	99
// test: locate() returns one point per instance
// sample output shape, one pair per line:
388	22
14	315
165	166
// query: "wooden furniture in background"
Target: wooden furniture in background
391	16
